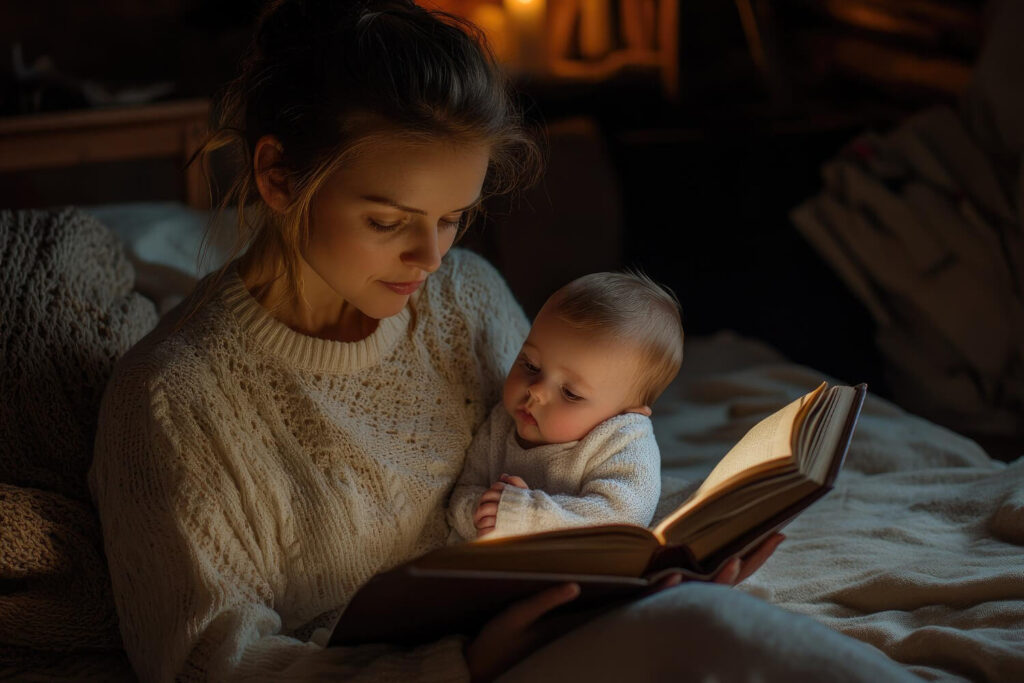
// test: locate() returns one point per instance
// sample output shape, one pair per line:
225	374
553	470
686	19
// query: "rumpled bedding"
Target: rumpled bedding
919	549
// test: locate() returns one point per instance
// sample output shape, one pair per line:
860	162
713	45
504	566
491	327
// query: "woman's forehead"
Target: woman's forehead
424	176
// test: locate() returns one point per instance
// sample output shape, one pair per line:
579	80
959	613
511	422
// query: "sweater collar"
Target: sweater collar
301	350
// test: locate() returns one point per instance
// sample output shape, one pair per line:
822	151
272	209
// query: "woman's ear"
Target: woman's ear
643	410
271	178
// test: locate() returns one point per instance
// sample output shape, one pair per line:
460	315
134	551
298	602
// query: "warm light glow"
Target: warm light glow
526	32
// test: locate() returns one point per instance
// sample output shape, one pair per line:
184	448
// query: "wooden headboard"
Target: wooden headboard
168	130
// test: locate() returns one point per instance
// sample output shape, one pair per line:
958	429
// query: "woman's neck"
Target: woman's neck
318	311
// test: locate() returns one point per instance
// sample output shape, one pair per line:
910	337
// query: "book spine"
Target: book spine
674	557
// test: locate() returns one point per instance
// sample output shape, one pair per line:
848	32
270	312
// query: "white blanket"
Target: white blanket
918	551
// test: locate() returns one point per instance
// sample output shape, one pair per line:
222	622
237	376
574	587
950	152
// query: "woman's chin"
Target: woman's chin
386	309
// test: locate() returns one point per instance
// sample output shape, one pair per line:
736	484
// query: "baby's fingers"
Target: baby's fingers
483	511
514	481
490	496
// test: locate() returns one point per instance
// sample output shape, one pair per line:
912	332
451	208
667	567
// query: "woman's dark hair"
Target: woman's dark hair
325	76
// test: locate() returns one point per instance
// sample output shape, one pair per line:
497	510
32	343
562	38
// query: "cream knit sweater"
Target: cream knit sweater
249	478
611	475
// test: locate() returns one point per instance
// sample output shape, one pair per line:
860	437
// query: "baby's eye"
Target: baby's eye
569	396
529	367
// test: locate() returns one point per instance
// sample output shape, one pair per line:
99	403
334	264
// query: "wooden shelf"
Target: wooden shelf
74	138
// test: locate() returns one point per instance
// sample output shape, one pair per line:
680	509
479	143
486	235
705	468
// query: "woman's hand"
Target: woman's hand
509	637
736	569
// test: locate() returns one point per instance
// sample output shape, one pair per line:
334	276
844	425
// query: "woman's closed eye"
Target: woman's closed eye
451	223
384	227
446	224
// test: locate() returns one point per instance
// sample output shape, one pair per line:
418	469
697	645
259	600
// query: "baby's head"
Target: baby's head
603	345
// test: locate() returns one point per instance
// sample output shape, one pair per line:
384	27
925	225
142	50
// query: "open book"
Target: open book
783	464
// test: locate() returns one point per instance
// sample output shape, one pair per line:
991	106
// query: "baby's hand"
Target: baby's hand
514	481
486	514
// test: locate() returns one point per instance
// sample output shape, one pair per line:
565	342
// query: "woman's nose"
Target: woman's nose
425	251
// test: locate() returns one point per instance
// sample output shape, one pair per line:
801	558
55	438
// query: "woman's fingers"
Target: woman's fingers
523	613
753	562
736	570
673	579
508	637
729	573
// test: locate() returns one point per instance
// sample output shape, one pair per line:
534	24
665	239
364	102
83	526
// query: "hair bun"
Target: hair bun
296	25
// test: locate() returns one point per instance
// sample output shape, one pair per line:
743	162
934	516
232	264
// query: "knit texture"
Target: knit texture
68	311
249	478
612	475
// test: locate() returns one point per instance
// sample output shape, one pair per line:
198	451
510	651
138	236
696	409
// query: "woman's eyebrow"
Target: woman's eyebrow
409	209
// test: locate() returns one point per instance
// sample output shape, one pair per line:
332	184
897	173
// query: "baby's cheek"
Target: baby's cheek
565	425
509	393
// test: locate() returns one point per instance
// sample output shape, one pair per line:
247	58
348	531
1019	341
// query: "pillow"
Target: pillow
164	241
164	233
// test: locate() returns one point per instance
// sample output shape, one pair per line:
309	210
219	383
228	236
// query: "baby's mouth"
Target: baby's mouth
525	416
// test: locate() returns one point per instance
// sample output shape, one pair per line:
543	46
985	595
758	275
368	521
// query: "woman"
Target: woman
295	426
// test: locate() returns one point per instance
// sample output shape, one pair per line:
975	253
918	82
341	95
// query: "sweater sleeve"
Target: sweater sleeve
621	485
193	577
475	479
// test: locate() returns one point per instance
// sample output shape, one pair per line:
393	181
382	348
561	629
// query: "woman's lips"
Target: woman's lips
403	287
526	417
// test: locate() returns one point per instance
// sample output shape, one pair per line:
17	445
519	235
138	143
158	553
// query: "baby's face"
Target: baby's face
565	382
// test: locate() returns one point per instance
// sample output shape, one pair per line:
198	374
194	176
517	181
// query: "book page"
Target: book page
712	538
825	438
766	448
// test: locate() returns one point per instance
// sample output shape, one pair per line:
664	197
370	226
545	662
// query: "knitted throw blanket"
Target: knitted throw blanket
68	311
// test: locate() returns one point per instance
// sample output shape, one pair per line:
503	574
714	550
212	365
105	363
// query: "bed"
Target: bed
918	552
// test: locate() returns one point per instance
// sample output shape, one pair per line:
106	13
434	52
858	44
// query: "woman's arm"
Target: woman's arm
197	573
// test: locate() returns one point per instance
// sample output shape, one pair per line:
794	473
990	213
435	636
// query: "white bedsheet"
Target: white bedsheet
919	550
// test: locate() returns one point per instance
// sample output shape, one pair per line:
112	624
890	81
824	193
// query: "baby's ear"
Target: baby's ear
643	410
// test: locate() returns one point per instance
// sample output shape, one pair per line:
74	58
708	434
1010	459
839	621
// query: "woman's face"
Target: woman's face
382	223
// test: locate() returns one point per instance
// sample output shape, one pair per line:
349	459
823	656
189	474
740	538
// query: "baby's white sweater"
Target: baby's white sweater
249	478
611	475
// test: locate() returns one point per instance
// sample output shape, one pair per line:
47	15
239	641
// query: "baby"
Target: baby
571	443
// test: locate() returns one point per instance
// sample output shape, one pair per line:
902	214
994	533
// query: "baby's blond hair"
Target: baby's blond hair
630	306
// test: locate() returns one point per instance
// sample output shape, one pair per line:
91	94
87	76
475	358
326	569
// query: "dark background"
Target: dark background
705	180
